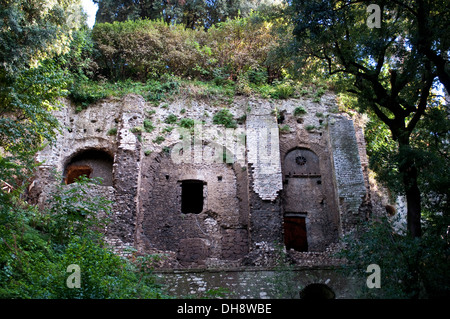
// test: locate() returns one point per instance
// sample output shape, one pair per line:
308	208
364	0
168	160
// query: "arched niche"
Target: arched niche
92	163
317	291
302	198
301	162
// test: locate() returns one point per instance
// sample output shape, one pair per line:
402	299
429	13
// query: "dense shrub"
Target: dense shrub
410	267
37	246
144	49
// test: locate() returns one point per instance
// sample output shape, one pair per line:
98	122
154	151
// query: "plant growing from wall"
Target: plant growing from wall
225	117
159	139
285	129
171	119
148	126
299	111
112	131
283	91
186	123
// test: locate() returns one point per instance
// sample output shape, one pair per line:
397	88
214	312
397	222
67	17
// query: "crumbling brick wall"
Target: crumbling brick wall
311	171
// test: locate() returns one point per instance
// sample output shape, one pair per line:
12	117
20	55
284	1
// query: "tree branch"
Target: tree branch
424	94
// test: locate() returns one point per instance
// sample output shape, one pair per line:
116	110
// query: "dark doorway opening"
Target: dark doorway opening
295	233
317	291
192	196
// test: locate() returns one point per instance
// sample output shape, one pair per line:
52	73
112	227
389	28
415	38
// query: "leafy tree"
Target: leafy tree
30	82
31	31
386	68
193	14
402	259
145	49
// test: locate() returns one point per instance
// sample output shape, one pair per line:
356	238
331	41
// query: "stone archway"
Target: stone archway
90	163
302	198
317	291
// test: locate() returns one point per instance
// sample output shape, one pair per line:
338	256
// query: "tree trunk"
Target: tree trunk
413	202
408	171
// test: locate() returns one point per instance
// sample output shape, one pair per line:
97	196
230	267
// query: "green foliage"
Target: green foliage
148	49
171	119
283	91
285	129
34	31
225	117
73	211
243	85
428	149
148	126
79	60
159	139
299	111
84	92
137	129
37	246
186	123
112	131
392	80
167	129
410	267
257	76
105	275
30	84
190	14
27	99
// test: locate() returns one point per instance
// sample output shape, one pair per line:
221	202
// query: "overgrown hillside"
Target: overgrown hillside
390	74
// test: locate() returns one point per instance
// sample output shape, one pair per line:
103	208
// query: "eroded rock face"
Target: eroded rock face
209	196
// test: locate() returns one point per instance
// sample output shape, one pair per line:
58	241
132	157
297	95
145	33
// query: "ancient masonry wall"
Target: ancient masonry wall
311	171
350	183
265	180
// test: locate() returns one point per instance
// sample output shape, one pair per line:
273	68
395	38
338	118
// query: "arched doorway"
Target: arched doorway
317	291
90	163
302	196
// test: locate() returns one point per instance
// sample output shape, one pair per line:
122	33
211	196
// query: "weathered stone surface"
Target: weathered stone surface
350	181
313	171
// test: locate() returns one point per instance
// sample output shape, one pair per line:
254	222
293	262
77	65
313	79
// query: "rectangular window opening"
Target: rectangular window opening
192	196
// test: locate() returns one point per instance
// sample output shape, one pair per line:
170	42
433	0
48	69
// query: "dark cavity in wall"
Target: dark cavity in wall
317	291
90	163
192	196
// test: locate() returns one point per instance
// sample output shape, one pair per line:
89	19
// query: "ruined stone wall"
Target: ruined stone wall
196	238
350	183
249	189
308	172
